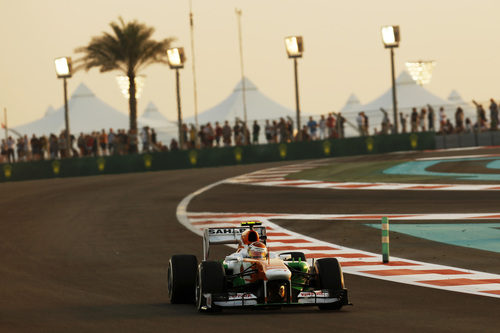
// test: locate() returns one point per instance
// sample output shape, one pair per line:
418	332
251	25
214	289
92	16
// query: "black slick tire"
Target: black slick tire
329	277
181	278
210	280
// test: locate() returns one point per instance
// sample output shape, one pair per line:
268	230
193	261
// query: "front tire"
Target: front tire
181	278
210	280
329	277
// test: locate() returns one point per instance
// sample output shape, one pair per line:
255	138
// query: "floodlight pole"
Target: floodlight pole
243	87
297	105
66	115
179	111
394	99
193	66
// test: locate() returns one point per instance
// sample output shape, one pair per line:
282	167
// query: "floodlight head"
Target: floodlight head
63	67
421	71
176	57
294	46
390	36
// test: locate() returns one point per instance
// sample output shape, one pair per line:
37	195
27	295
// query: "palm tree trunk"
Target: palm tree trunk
132	101
132	104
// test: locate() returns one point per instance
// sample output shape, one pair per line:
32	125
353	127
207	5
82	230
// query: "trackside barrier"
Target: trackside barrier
489	138
212	157
385	240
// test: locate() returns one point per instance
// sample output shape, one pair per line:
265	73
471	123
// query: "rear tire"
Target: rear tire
210	280
329	277
181	278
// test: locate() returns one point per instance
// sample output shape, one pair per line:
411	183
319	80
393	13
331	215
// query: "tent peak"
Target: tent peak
353	100
82	91
50	110
151	107
249	85
405	78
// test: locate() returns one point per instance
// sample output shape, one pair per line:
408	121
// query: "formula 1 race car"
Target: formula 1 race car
252	276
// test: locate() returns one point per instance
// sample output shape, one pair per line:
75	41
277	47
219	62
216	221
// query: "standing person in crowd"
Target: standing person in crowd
431	117
236	134
145	139
330	124
209	135
3	151
340	126
174	145
442	119
35	147
493	115
53	146
226	134
192	137
26	148
185	136
366	124
10	150
103	142
62	144
274	131
414	120
385	123
468	125
481	116
402	121
255	132
361	123
283	129
459	120
218	133
246	134
482	119
154	139
322	127
268	131
111	142
132	141
20	149
80	142
423	120
289	128
44	144
313	127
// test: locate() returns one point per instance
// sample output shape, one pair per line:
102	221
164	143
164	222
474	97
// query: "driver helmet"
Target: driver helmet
257	250
249	236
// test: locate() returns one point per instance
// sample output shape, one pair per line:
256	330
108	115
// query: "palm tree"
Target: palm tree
129	49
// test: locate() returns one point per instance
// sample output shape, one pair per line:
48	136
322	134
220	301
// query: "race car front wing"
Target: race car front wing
316	297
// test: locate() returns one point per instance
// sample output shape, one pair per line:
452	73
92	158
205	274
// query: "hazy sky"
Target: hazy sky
343	49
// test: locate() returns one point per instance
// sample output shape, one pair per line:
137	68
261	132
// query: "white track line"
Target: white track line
353	261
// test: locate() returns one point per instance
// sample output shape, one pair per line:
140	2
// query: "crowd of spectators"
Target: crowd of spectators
425	120
86	144
274	131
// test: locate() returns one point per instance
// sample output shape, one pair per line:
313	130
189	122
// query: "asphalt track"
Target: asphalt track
89	255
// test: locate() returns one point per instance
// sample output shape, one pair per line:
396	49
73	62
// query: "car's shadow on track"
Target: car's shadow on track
158	310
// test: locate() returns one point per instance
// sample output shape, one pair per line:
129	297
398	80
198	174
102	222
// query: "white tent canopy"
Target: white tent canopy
352	105
258	106
153	118
87	113
409	95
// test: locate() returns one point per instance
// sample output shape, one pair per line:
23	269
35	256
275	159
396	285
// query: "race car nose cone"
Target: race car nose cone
278	274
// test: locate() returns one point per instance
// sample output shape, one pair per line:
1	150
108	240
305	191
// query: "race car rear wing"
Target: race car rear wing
229	235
